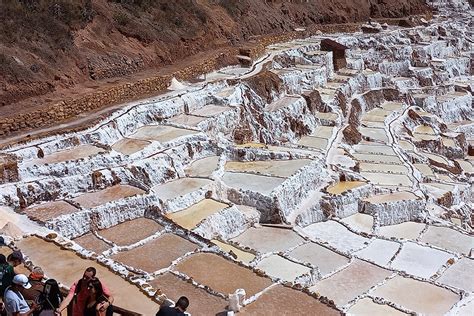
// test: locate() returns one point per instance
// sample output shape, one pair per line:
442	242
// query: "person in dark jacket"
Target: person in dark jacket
177	310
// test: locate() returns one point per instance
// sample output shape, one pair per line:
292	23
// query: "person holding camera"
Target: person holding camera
49	300
79	293
97	303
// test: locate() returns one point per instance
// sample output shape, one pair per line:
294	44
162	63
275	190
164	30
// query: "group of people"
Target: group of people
17	290
32	296
89	297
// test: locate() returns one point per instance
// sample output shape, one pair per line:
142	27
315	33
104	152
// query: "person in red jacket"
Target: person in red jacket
78	294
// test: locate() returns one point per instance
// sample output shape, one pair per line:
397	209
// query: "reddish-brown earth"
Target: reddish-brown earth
53	50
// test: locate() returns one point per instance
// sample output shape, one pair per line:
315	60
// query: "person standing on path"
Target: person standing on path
15	304
78	294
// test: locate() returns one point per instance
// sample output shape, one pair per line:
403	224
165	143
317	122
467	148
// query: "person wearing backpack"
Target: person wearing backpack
6	274
49	299
78	294
15	304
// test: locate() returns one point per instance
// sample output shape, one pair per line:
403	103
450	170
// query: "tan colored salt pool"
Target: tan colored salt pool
226	276
417	296
49	210
160	133
75	153
344	186
128	146
194	214
113	193
279	168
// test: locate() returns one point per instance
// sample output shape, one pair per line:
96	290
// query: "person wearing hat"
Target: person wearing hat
15	304
37	286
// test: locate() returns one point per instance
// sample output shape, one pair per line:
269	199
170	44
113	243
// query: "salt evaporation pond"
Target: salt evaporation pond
158	207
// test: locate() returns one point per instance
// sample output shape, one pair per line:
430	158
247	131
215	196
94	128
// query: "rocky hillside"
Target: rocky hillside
46	45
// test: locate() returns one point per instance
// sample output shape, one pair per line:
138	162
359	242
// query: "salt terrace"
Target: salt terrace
340	190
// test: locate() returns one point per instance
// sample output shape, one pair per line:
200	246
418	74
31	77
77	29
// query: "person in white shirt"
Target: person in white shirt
15	304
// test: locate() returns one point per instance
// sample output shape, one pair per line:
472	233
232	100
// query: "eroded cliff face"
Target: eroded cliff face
94	40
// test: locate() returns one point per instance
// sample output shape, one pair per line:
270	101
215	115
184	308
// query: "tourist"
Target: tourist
78	294
97	303
15	259
15	304
6	274
177	310
36	280
49	299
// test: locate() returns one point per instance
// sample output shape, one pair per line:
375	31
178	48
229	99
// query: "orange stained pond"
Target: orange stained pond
75	153
241	255
418	296
113	193
280	168
49	210
130	232
366	306
90	242
201	302
67	267
344	186
194	214
281	300
179	187
161	133
352	281
222	275
128	146
391	197
157	253
269	239
202	167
